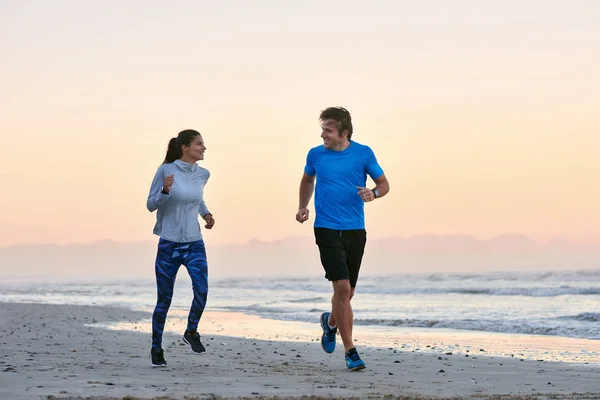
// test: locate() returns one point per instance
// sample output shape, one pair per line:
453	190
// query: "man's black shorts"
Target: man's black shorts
341	252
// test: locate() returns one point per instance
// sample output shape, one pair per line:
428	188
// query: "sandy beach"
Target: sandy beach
61	352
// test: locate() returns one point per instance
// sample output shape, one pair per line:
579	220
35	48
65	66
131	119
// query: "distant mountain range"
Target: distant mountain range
298	256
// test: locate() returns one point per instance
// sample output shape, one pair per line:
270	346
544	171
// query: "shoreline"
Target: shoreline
60	351
437	341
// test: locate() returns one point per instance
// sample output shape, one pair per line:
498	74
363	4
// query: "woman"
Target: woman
177	193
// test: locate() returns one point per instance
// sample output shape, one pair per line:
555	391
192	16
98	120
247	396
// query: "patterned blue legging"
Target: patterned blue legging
170	256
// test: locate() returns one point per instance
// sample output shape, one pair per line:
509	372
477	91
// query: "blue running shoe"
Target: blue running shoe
353	361
328	338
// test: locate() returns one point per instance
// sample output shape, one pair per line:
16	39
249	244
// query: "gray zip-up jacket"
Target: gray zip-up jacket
177	215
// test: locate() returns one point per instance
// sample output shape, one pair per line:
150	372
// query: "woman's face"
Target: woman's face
195	151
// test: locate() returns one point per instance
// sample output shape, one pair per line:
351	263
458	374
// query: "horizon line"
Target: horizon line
555	238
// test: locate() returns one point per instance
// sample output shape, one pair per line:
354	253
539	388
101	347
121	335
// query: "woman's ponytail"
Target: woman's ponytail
173	151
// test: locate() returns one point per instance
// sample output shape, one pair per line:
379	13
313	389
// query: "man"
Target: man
341	166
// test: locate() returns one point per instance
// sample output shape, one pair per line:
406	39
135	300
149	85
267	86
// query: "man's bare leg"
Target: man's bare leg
341	311
351	319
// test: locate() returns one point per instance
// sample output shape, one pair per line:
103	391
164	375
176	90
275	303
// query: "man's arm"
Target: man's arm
307	187
382	186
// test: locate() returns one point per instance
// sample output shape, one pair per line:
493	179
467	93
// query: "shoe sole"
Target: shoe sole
358	368
323	336
188	343
156	365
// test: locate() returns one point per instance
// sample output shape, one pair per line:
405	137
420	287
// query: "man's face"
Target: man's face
330	135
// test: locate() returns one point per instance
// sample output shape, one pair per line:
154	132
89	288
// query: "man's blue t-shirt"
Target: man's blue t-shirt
339	173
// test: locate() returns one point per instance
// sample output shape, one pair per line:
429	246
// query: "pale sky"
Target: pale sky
484	115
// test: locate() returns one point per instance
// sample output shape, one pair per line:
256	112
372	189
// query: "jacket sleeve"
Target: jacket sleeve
156	197
202	209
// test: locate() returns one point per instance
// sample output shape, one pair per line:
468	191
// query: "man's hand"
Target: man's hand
365	194
210	221
167	183
302	215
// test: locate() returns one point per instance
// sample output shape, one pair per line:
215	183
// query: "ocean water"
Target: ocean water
559	304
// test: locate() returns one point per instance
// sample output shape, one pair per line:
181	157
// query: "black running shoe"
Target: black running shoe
158	357
193	339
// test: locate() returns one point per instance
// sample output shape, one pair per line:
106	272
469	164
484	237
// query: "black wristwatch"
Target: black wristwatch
376	193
